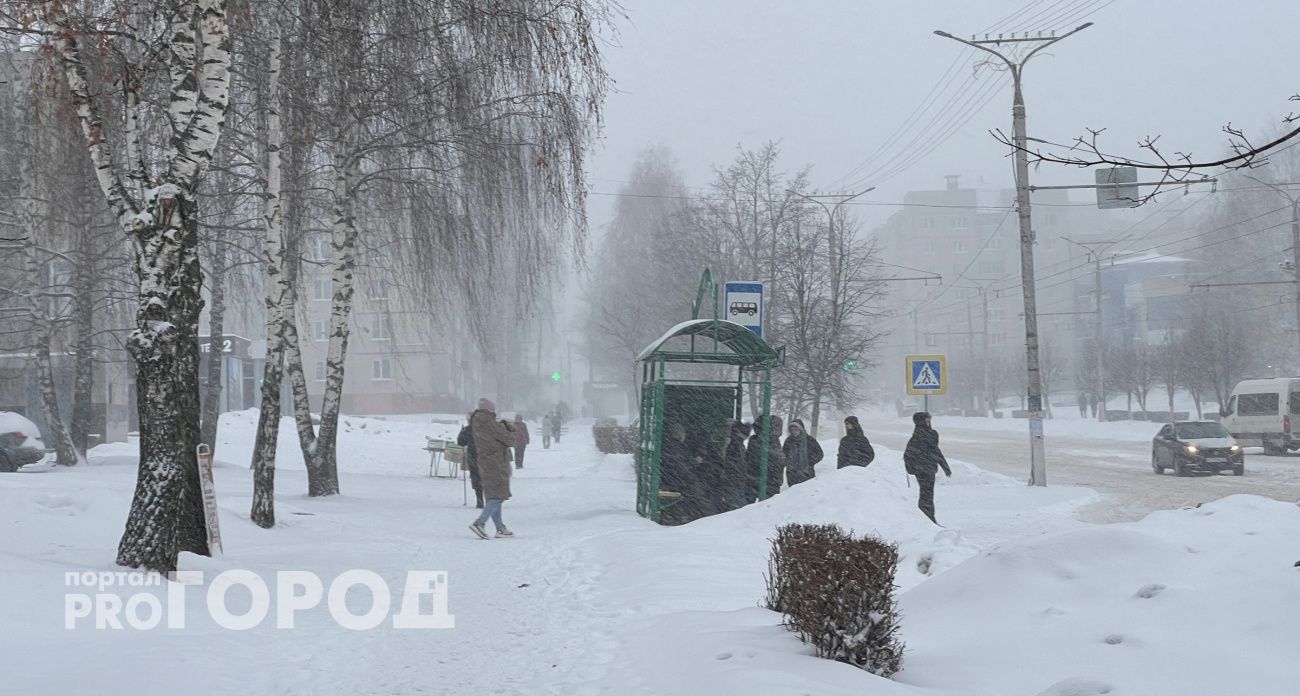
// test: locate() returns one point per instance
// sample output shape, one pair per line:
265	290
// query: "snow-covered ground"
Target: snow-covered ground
1113	459
1016	596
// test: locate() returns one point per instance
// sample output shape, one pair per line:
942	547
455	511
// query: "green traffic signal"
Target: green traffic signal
555	376
849	365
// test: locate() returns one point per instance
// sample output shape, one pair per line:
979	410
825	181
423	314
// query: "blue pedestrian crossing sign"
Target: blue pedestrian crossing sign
927	374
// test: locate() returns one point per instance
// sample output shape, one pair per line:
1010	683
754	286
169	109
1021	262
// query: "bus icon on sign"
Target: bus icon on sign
738	308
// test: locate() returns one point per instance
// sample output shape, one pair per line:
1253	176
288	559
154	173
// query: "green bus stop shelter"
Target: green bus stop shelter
739	360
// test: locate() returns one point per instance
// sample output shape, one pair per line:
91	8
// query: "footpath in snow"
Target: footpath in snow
1015	597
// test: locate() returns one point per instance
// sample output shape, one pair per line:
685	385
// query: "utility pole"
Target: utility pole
833	246
985	358
1037	455
989	406
1295	239
1095	250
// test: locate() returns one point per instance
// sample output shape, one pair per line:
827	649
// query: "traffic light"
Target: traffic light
849	365
555	376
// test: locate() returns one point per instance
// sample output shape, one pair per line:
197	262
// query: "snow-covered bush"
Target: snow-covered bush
837	592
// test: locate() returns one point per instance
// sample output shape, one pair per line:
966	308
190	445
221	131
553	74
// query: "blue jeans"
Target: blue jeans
491	509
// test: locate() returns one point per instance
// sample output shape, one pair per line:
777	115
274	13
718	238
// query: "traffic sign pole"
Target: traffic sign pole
926	375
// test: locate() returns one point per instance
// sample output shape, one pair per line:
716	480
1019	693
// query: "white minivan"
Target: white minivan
1264	410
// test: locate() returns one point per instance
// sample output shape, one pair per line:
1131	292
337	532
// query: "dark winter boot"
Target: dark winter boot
478	497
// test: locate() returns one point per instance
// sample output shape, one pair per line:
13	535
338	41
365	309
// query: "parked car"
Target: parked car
1263	410
1188	446
20	442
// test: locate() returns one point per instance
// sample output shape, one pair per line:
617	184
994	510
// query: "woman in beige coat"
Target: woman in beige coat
492	442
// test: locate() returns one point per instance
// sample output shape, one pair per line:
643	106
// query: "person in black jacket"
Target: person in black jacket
706	474
732	488
922	459
775	459
466	439
801	454
855	448
677	474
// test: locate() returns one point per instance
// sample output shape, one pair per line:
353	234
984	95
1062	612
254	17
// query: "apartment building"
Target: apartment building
970	237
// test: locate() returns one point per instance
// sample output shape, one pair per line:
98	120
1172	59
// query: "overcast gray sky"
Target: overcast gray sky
834	79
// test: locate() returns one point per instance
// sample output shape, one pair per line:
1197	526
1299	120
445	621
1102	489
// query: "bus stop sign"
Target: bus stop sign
742	303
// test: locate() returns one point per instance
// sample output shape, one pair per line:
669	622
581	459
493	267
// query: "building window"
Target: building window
927	223
320	371
324	289
379	290
320	330
995	243
987	267
379	329
929	340
381	369
959	223
320	247
959	246
931	248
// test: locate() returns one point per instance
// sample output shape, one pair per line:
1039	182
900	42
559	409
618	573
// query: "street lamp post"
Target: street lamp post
1038	460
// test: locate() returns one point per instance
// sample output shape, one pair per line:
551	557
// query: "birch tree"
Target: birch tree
148	86
483	111
279	293
31	152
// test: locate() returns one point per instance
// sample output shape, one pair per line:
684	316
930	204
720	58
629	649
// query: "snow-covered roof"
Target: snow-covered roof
1149	257
746	347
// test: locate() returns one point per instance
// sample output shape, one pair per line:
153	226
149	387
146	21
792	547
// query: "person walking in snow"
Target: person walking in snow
521	440
1083	404
492	442
556	427
922	459
855	448
466	439
1093	404
775	459
801	454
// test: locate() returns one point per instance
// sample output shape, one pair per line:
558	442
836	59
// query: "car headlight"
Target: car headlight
1234	448
1192	449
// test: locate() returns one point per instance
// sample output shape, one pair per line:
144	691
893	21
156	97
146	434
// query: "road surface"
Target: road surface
1117	469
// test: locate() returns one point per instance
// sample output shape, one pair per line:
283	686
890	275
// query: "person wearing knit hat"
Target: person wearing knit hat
485	404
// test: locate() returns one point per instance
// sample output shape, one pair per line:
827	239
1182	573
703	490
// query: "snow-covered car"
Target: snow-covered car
20	442
1188	446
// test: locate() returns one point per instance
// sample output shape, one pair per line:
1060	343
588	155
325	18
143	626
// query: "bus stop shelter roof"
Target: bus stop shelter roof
745	348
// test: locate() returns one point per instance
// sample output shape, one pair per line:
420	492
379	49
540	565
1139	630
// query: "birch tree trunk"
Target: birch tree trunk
211	401
166	514
277	307
84	293
33	217
56	433
322	461
322	457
